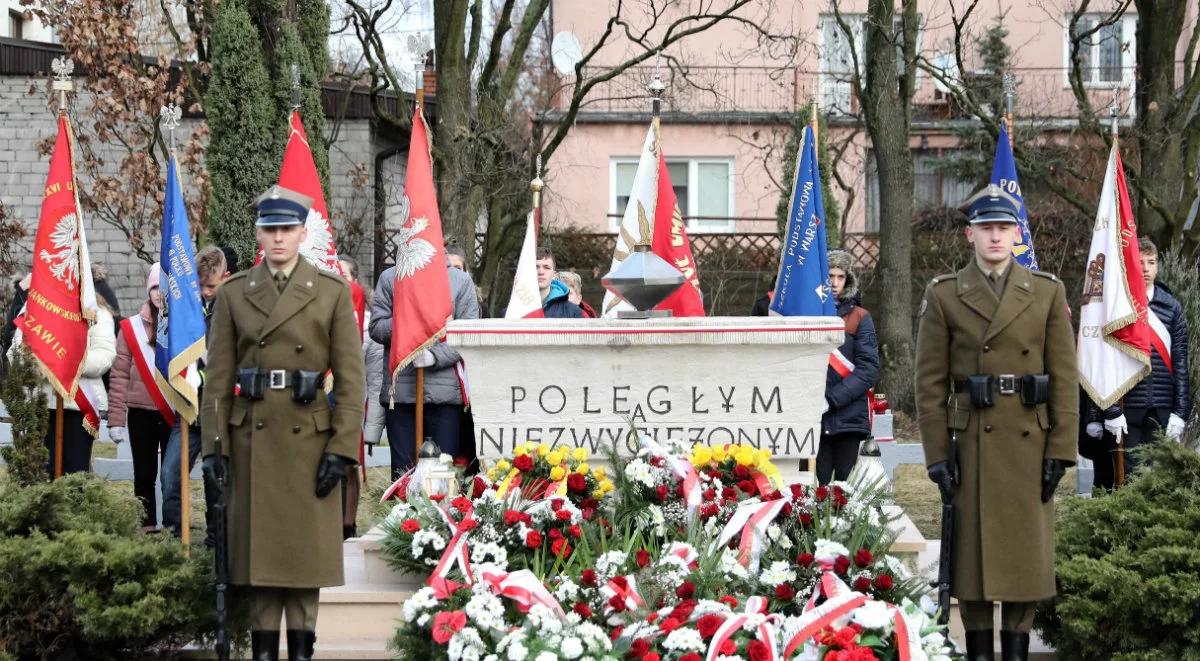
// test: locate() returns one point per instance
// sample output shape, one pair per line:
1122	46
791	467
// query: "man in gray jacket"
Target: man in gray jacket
443	393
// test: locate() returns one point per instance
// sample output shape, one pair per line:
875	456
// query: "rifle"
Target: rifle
221	551
946	554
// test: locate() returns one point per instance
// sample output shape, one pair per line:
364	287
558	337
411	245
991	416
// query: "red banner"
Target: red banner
1135	335
672	244
421	303
61	295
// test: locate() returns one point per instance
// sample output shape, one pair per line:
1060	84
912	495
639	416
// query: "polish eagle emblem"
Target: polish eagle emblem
412	252
318	245
64	260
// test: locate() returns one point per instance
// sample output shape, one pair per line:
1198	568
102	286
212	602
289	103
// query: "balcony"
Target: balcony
697	90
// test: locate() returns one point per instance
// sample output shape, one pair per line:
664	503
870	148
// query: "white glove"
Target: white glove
1095	429
1117	426
424	359
1174	427
118	434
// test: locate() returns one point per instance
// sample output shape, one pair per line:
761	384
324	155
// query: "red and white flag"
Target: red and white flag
421	304
62	297
299	173
526	299
652	217
1114	336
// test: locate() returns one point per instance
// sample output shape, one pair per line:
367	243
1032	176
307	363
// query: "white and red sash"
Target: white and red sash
86	400
840	364
1160	339
143	357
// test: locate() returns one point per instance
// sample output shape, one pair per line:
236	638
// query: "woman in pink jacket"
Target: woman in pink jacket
137	411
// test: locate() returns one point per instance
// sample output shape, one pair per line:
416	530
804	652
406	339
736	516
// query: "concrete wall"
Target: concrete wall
26	119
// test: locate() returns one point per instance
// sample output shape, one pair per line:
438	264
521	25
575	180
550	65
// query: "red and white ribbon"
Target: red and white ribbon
524	588
143	358
841	602
765	629
1160	339
457	551
627	593
751	520
683	470
840	364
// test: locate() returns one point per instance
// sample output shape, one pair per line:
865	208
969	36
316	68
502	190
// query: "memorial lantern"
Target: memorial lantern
432	473
643	280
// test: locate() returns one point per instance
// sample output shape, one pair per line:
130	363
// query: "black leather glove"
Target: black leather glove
940	474
1052	473
331	470
214	467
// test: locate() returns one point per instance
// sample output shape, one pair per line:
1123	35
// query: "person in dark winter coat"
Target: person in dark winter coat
762	305
556	303
853	370
1162	400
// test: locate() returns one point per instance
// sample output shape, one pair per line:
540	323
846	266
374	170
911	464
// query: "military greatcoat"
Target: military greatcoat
1005	533
280	533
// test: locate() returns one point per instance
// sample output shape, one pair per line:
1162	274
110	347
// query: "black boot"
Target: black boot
300	644
980	645
1014	646
264	645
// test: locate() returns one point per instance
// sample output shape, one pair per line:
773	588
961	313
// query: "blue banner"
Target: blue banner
180	339
1004	175
802	288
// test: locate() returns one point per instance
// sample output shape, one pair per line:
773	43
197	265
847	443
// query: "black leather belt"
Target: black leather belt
1005	384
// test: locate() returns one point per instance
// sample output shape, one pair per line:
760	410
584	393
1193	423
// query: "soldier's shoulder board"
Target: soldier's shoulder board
333	276
943	278
1049	276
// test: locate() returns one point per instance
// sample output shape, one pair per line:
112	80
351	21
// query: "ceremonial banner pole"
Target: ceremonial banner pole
419	402
1120	437
171	114
62	84
1010	88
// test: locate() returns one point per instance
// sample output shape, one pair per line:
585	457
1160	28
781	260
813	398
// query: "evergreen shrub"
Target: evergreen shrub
81	581
1128	566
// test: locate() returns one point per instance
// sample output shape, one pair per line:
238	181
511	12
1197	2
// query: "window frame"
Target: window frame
688	207
1128	24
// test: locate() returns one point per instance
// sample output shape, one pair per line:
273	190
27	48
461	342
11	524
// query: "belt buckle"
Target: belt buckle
278	379
1007	383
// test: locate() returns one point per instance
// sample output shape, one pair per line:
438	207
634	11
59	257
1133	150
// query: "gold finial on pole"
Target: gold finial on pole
656	87
170	115
1114	110
62	67
536	185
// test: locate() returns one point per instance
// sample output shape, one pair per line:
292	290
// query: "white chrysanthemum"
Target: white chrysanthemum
466	645
828	550
566	591
544	620
709	607
641	472
593	636
571	647
608	564
873	615
486	611
424	619
422	600
684	639
547	656
778	572
730	565
489	552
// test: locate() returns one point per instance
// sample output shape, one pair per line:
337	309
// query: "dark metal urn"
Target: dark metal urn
643	280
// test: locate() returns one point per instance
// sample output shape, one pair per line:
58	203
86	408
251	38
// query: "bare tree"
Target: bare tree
496	95
884	84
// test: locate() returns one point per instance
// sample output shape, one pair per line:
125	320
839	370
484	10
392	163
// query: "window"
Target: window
837	60
16	24
931	188
1106	56
703	188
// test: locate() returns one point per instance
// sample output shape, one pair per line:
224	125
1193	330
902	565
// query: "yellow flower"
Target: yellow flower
719	453
582	469
555	458
764	455
745	456
701	455
493	474
503	465
579	454
598	493
543	449
520	450
606	485
557	473
599	473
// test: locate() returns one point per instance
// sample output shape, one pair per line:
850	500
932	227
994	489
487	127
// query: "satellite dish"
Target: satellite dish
565	53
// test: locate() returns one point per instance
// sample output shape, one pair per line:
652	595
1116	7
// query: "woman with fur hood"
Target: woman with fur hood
853	370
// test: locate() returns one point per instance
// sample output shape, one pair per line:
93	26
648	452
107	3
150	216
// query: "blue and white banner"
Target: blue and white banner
1004	175
180	340
803	288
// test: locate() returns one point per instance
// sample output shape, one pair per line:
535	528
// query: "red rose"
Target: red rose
478	486
652	617
683	611
523	463
668	625
748	486
787	510
652	656
690	656
884	582
583	610
657	462
461	462
563	515
575	531
511	517
616	632
661	492
686	590
727	493
576	482
728	648
588	577
560	548
862	584
437	497
621	582
555	533
410	526
863	558
741	472
709	511
841	564
805	559
821	494
785	592
806	519
468	524
797	491
642	557
707	625
758	651
639	648
589	503
728	600
446	624
840	500
709	494
617	603
462	504
533	538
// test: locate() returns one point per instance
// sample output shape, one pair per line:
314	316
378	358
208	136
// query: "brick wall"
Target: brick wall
25	119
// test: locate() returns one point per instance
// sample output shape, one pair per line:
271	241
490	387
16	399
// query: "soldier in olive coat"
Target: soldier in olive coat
277	329
998	331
